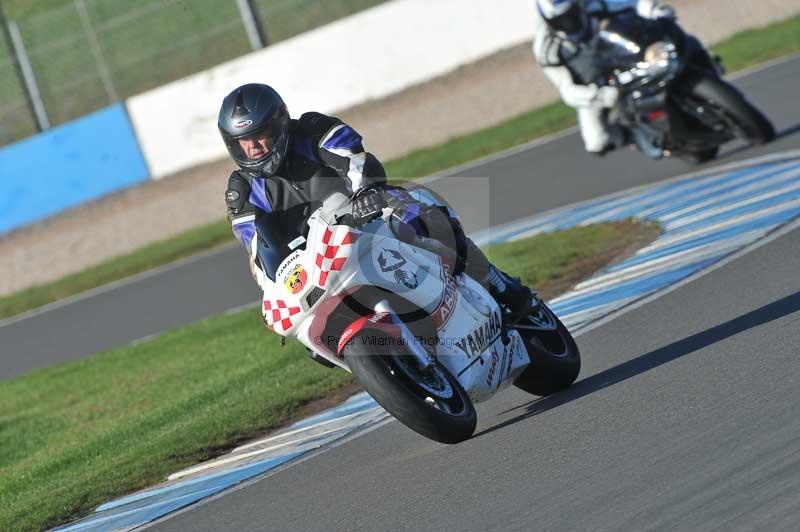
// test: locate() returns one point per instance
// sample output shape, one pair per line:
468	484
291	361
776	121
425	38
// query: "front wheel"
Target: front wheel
429	400
747	121
555	359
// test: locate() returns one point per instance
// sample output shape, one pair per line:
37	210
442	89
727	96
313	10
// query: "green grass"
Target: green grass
554	262
740	51
751	47
78	434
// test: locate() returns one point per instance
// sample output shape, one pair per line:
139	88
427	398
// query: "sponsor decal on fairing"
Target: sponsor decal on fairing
390	260
297	242
287	263
296	280
409	280
444	310
482	337
490	373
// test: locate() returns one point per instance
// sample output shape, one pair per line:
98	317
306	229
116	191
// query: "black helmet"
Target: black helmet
255	113
564	16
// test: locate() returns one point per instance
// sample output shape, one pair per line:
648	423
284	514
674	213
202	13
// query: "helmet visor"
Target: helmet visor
572	22
256	146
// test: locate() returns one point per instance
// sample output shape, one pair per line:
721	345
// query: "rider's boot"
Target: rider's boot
509	291
506	290
618	137
646	145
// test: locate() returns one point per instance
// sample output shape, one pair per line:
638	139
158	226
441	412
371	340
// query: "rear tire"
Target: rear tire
385	371
749	122
555	359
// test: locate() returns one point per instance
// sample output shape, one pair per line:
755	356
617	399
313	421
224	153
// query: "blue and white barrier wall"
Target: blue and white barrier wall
68	165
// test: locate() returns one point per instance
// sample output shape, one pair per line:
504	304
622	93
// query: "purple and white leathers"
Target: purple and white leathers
287	165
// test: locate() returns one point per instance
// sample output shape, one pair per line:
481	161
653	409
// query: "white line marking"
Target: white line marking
688	220
663	264
584	315
722	184
283	467
295	432
781	231
736	191
242	456
719	226
497	233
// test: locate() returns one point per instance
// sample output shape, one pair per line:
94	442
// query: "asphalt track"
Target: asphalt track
684	418
535	178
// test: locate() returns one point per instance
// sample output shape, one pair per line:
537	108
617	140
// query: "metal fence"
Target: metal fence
86	54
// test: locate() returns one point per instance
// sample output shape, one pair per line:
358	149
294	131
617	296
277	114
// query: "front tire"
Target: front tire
555	359
724	98
430	402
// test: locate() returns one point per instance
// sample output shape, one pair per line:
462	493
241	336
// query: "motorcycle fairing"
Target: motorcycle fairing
340	259
471	343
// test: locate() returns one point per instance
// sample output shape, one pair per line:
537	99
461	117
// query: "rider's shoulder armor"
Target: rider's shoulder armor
315	125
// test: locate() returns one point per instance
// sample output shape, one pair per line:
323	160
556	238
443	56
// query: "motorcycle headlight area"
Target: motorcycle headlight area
659	59
659	56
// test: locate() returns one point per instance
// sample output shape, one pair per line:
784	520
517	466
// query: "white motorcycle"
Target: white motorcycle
423	343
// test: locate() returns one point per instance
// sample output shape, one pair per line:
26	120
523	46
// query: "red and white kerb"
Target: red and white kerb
333	257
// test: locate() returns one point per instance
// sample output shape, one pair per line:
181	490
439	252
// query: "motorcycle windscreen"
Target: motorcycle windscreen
280	233
628	34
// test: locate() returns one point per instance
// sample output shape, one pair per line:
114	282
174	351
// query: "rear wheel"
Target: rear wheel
747	122
555	359
428	400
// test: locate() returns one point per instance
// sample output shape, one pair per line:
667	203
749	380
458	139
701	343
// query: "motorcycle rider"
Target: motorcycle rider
562	45
286	164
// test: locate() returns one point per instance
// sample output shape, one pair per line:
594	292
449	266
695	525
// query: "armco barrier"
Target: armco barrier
68	165
365	56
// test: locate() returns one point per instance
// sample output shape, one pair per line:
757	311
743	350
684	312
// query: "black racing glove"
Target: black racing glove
367	204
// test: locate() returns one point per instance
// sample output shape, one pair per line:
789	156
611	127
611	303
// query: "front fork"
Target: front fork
422	356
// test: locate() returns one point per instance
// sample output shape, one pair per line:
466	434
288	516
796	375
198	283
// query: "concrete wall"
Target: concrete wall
68	165
363	57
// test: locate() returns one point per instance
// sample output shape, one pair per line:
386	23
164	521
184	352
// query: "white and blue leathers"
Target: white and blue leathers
587	98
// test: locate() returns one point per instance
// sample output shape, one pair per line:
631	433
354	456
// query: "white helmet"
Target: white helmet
564	16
